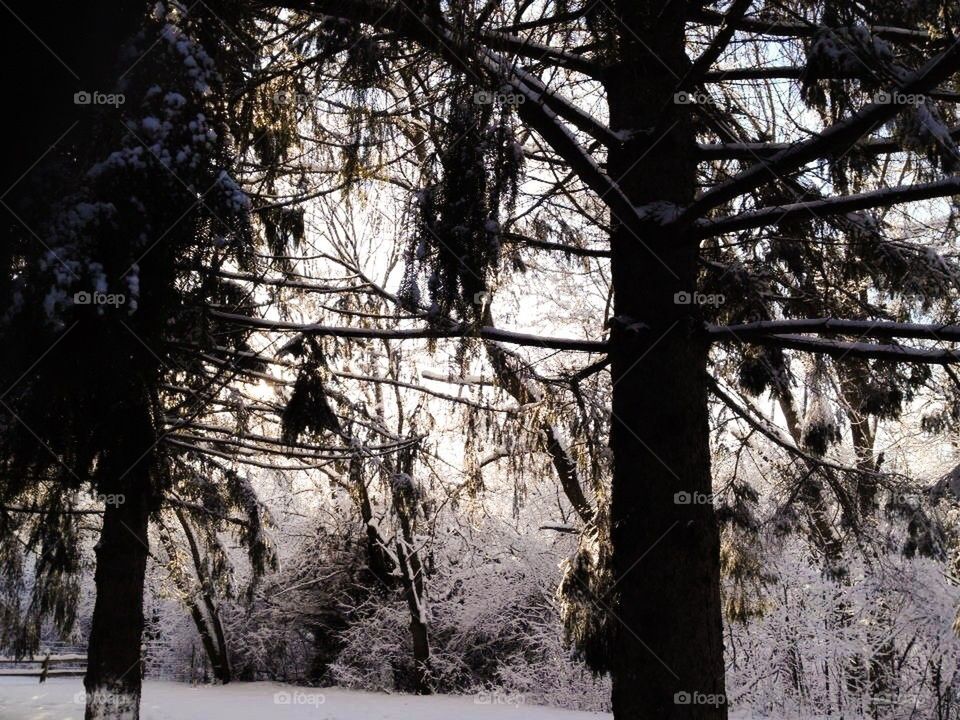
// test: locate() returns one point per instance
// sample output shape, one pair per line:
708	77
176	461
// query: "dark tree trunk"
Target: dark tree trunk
411	572
114	665
851	377
206	638
667	659
65	49
126	478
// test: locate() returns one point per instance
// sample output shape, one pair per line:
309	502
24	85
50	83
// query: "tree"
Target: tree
691	203
655	139
113	239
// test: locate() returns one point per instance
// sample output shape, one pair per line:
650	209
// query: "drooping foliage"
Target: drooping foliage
110	306
456	245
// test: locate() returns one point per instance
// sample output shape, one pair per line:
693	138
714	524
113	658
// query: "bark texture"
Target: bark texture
114	662
667	660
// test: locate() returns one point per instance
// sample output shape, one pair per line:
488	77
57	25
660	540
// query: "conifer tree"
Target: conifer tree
736	245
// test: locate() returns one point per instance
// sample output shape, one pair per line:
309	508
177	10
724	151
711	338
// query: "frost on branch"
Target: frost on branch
921	128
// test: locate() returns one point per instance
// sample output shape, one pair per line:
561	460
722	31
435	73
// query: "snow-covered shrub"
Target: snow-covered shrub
289	629
876	642
494	627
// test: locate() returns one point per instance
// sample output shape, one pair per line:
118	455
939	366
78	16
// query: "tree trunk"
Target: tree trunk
667	658
413	591
220	661
411	572
851	378
114	665
216	650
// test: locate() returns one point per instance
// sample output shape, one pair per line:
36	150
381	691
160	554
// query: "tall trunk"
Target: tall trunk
114	665
667	659
411	578
411	572
72	48
220	661
862	435
211	632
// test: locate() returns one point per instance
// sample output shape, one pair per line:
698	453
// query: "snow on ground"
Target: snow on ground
62	699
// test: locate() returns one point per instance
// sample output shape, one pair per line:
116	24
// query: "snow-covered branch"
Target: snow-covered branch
828	206
541	53
837	137
753	150
533	90
861	350
768	429
542	110
459	330
719	43
781	28
831	326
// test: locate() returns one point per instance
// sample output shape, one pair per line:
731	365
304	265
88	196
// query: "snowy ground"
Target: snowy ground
62	699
